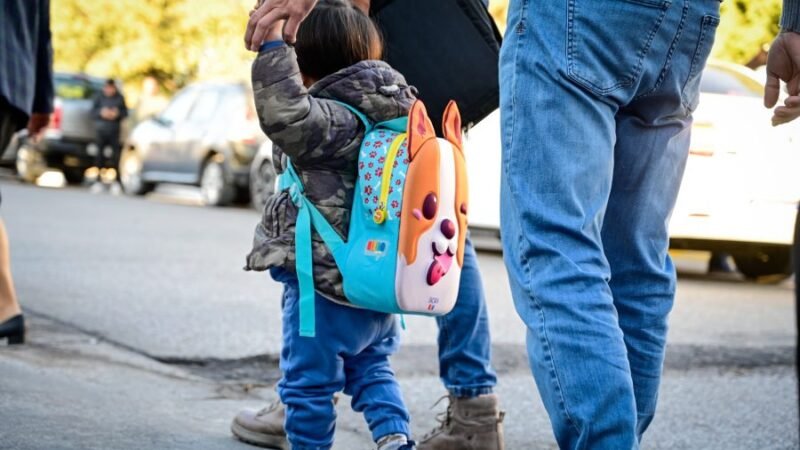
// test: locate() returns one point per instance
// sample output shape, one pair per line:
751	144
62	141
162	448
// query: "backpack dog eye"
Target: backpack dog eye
405	245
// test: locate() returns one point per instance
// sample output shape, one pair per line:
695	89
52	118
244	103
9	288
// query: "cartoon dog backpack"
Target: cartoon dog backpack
405	246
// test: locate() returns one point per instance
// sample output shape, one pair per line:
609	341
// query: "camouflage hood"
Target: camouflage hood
372	87
323	139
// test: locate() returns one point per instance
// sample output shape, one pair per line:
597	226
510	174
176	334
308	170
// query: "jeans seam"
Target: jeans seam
705	21
510	136
526	263
510	143
671	51
546	343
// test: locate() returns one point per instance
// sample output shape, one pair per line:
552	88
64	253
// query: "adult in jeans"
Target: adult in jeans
26	97
596	103
473	418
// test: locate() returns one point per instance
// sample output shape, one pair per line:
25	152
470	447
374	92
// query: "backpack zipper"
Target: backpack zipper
381	213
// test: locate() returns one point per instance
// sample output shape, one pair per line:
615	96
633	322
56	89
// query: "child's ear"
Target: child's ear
451	124
420	128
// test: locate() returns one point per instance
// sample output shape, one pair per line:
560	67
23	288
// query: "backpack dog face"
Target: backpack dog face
433	221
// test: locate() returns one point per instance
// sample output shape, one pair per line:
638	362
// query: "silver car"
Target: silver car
207	136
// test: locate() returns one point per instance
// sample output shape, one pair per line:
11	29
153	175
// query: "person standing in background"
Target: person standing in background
151	101
26	97
108	112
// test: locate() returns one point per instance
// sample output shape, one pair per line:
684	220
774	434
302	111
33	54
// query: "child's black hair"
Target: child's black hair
335	35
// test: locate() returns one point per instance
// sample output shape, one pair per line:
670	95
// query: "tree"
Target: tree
175	41
745	27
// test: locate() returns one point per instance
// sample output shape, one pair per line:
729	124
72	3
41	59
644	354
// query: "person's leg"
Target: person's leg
100	158
465	347
372	383
314	368
796	264
559	113
473	418
312	373
557	165
653	132
116	148
9	307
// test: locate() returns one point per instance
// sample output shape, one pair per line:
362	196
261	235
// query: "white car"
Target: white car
740	191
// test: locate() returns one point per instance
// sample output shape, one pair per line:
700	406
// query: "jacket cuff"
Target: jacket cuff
269	45
790	18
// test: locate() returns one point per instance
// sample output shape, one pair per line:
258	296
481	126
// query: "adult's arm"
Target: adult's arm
44	91
783	64
270	12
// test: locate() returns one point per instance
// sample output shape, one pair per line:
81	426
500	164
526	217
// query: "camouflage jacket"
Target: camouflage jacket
323	139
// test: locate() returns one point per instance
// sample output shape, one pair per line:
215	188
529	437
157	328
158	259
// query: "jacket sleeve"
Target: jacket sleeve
123	109
309	130
44	91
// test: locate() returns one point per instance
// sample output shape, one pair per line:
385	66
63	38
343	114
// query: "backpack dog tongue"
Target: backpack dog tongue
439	267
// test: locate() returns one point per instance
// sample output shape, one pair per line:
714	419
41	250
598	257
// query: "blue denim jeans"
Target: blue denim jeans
465	349
351	353
596	102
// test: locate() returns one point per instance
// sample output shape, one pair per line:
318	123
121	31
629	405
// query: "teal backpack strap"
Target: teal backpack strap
367	124
399	124
307	216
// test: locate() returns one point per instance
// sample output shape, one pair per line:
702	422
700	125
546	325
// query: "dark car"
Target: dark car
68	142
207	135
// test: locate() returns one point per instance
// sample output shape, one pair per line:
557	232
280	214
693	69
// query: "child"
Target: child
336	58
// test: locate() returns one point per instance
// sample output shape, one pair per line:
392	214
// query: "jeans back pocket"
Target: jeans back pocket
608	40
690	93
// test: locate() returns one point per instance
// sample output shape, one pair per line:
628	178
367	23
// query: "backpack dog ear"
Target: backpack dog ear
451	124
420	128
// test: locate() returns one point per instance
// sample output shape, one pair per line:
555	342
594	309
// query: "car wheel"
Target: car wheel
130	174
73	176
262	185
775	263
214	188
30	163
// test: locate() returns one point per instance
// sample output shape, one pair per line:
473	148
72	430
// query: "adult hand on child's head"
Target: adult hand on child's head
268	13
783	64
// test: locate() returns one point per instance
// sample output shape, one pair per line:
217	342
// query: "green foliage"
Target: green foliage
175	41
745	26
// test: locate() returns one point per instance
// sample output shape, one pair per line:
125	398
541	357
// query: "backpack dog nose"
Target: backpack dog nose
448	228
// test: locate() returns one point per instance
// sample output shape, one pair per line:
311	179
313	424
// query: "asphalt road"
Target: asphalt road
147	333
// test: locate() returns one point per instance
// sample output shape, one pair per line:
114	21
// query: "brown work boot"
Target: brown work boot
263	428
468	424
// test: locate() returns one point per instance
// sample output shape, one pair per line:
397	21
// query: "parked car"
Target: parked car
740	190
207	136
68	141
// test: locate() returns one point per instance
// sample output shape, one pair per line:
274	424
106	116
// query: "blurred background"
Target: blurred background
131	277
176	42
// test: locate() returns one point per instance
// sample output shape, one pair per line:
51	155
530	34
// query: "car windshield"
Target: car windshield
75	87
717	80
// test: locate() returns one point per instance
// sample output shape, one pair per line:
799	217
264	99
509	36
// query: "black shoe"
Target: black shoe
13	329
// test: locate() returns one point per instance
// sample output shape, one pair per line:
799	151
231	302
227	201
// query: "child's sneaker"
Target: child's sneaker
395	442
